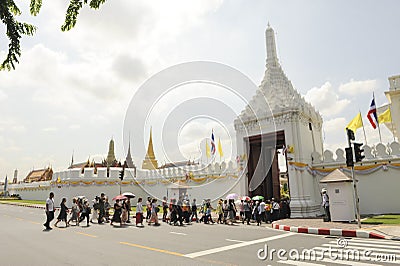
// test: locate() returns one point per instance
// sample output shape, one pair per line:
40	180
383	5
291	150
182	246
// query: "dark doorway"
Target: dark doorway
262	150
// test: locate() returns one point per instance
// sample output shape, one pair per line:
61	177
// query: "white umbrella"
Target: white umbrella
232	196
129	194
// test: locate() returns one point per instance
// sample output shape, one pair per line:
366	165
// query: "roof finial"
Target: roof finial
272	58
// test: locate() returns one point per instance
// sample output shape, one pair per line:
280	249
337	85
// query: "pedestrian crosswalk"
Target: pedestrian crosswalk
357	252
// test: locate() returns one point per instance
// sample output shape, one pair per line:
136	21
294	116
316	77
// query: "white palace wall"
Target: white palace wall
214	182
378	176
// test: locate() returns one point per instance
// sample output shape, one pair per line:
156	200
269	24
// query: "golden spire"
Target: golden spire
150	161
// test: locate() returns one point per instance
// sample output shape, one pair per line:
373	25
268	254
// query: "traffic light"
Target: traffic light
350	134
349	157
121	174
358	152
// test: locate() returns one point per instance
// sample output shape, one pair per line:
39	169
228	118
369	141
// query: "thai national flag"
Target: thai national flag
212	144
372	117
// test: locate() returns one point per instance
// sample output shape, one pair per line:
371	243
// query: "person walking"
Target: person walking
262	210
117	213
148	209
95	214
74	213
129	208
325	205
231	211
220	212
225	208
107	208
165	209
268	208
185	210
139	212
194	211
173	212
85	212
124	214
274	210
154	214
102	209
63	213
241	211
257	212
49	211
247	212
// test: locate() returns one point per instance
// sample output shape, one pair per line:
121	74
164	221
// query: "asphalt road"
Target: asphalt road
24	242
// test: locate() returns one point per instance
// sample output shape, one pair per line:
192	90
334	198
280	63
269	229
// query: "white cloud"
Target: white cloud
3	96
49	129
74	126
355	87
326	100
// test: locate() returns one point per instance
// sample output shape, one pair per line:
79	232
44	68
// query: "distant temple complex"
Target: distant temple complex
39	175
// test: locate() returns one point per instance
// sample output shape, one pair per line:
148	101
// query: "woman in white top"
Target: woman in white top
139	212
95	214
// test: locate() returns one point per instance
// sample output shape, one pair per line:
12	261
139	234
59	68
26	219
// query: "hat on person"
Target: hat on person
323	190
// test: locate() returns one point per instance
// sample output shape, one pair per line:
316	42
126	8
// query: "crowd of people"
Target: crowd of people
175	212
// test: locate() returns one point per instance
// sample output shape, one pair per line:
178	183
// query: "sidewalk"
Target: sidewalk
318	226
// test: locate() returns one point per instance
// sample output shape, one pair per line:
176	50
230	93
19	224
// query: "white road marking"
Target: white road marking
176	233
350	262
296	262
350	246
233	240
238	245
375	242
394	246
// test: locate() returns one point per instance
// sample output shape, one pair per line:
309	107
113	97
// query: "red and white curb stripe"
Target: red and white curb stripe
327	231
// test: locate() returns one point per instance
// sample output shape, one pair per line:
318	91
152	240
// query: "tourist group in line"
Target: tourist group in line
174	212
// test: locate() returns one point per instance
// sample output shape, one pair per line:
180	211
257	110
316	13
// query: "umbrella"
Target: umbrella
245	198
257	198
128	195
119	197
232	196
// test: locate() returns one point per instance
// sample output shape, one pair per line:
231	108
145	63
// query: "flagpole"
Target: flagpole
362	122
391	123
379	128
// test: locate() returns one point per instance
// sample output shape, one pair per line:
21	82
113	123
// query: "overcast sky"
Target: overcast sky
71	89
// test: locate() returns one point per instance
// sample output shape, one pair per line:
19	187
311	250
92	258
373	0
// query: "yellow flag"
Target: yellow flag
355	123
221	154
385	117
208	152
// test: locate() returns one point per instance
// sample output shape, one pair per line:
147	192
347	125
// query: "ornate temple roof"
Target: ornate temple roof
128	160
39	175
111	160
282	97
150	161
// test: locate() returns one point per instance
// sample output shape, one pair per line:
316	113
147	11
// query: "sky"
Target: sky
71	91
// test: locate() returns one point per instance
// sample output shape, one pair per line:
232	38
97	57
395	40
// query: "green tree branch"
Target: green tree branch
15	29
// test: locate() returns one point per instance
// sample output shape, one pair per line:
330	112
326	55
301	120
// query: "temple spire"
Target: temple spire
128	159
272	57
150	161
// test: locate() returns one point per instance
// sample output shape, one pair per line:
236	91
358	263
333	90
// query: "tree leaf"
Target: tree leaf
35	7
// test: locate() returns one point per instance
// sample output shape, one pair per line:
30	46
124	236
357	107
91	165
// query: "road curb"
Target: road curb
328	231
24	205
